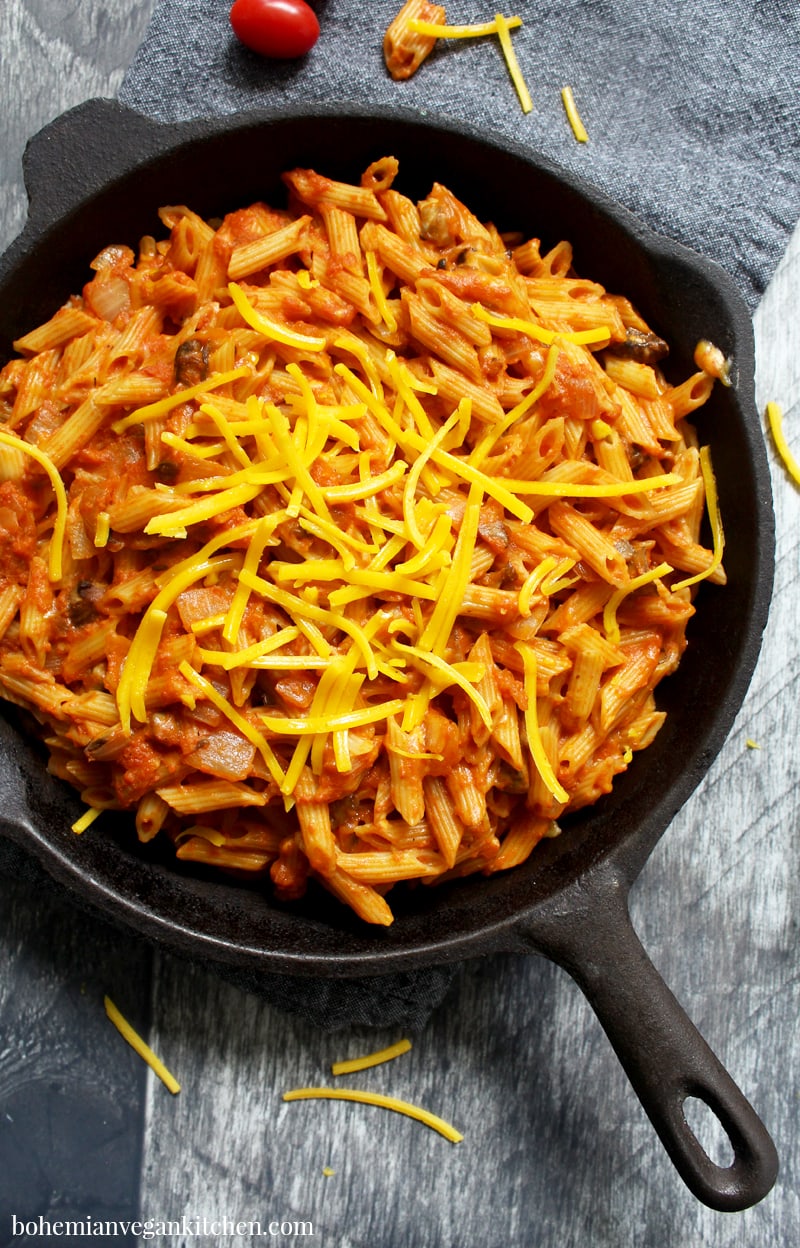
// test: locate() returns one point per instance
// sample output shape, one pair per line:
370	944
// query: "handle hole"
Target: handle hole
709	1132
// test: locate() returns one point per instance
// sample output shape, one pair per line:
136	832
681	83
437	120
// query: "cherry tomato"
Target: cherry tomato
282	29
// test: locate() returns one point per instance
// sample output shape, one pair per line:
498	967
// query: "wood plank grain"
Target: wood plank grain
71	1090
55	55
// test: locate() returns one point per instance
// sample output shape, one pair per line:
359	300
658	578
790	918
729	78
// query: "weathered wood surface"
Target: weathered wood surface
557	1151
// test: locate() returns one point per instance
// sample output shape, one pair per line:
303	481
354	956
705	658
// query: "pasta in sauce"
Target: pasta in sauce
346	541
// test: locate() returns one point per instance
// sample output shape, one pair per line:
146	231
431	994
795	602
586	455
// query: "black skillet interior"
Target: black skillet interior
97	176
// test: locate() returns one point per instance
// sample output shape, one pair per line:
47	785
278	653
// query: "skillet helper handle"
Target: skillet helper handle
667	1060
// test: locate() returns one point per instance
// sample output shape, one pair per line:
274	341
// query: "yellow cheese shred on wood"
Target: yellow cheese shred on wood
137	1043
354	1064
775	421
383	1102
56	554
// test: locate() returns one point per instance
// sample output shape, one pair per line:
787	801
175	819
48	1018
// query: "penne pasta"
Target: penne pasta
404	49
345	545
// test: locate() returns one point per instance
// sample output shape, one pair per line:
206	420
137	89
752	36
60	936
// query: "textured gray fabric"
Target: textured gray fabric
693	109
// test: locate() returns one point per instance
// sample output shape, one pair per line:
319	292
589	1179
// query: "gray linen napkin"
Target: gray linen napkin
692	108
693	115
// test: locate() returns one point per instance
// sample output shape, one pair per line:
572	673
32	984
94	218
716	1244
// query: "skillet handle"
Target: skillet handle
664	1056
80	152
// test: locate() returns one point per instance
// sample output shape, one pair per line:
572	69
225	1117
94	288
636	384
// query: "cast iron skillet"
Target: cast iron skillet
96	176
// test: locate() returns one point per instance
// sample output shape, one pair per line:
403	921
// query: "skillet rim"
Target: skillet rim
109	122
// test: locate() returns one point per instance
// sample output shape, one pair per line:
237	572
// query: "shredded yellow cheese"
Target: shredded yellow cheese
494	487
535	745
139	660
573	116
102	530
384	1102
610	610
154	411
556	578
56	554
228	435
269	328
489	439
501	26
87	818
366	489
577	489
236	718
299	608
264	530
532	583
371	1059
311	725
175	523
137	666
474	30
230	659
444	674
520	86
715	519
775	419
387	315
440	624
583	337
138	1044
